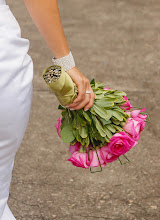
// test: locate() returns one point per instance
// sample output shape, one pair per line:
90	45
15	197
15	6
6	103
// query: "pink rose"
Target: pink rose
120	143
133	128
80	160
58	126
75	147
135	114
106	88
107	156
94	162
127	105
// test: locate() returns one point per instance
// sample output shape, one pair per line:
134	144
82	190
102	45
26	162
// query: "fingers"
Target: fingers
83	99
82	104
81	93
80	97
91	101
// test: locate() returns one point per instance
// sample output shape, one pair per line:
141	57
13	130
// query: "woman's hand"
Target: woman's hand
83	99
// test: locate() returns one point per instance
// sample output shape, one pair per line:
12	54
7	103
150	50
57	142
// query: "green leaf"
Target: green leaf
82	149
83	141
74	122
80	121
109	134
99	126
119	100
73	142
78	137
115	121
111	128
110	91
118	128
104	122
104	103
121	93
100	91
99	85
117	108
100	111
110	99
74	132
100	138
93	112
83	131
106	139
64	122
122	123
87	141
121	103
69	113
64	112
60	107
99	96
67	134
110	96
109	112
85	114
117	115
92	82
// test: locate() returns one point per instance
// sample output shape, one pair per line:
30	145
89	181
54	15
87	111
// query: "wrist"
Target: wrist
67	62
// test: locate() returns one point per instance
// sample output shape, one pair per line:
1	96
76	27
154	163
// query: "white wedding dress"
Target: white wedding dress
16	88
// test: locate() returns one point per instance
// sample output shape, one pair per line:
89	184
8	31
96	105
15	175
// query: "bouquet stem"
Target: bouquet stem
124	162
98	160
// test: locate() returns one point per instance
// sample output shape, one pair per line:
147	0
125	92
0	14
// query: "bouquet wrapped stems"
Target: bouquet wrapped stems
61	84
109	129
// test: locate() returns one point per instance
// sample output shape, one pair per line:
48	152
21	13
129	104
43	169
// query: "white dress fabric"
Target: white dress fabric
16	88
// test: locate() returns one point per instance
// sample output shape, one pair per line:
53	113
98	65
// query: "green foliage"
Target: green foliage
97	125
61	107
100	111
67	134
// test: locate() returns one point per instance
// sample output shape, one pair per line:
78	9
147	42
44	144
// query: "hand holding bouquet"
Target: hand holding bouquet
102	134
61	83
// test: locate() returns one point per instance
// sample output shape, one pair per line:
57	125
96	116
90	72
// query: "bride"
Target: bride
16	88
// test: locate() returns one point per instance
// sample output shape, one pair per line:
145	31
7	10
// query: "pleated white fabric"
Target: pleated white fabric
16	90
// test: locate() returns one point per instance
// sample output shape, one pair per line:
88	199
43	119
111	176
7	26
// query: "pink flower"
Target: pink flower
133	128
135	114
58	126
120	143
94	162
127	105
106	88
107	156
75	147
80	160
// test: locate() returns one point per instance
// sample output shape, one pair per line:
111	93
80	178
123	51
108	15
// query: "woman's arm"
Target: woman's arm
46	16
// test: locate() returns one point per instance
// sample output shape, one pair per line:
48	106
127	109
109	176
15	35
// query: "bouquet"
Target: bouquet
108	130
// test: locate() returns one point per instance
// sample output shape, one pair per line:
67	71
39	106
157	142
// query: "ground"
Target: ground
116	42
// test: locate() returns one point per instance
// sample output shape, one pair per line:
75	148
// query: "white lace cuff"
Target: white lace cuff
67	62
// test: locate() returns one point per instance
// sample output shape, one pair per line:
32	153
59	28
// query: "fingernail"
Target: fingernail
86	110
67	106
72	109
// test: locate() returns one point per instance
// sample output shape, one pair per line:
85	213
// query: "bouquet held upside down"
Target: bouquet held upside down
101	134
